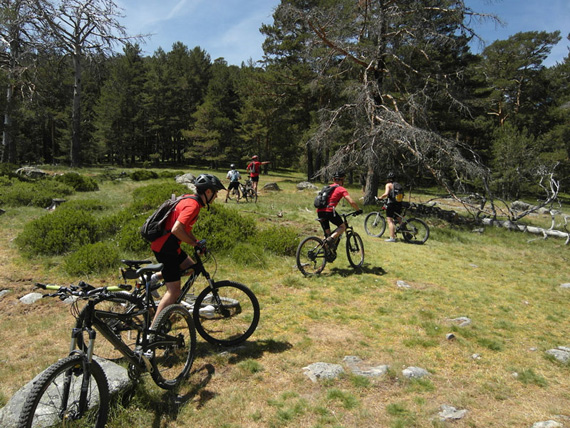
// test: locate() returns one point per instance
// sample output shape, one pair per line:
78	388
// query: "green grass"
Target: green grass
509	287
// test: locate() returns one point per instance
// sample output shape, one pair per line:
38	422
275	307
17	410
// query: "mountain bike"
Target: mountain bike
225	313
76	387
413	230
313	252
248	191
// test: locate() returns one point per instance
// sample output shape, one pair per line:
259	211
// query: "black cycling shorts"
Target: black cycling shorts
171	262
393	208
233	185
327	218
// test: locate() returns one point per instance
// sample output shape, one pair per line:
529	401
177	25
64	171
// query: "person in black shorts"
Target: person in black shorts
329	215
393	207
167	248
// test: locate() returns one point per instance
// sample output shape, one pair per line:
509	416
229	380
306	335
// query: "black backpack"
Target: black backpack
153	227
397	193
322	199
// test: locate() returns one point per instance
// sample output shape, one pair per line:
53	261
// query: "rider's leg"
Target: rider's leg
391	227
338	232
172	293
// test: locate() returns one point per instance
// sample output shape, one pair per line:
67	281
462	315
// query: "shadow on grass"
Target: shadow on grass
366	269
248	350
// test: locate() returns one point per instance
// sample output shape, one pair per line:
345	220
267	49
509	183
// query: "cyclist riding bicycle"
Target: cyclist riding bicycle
234	176
329	215
167	248
394	193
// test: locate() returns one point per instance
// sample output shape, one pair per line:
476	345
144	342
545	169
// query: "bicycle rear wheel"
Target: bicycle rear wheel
124	314
354	250
311	256
226	315
173	346
415	231
375	224
57	398
251	195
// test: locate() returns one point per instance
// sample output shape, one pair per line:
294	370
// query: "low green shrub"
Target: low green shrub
150	197
89	205
95	258
143	174
58	233
170	174
80	183
38	194
224	227
280	240
129	238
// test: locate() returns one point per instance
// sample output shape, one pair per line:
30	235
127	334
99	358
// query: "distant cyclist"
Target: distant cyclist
167	248
254	169
329	215
394	193
234	176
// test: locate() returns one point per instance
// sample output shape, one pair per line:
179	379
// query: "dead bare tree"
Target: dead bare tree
80	28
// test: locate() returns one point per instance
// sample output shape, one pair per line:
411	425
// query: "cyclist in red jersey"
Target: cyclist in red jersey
328	215
254	169
167	248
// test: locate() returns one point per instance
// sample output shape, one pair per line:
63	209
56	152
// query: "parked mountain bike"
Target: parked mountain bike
225	313
248	191
413	230
76	387
313	252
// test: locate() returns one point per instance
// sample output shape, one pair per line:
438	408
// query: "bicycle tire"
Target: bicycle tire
311	256
128	331
252	195
354	250
44	406
415	231
375	224
171	363
228	318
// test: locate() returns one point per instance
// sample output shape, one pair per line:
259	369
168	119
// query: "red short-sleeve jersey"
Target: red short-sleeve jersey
186	212
338	193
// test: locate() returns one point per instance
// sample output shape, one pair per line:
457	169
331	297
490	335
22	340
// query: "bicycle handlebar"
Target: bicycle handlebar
81	290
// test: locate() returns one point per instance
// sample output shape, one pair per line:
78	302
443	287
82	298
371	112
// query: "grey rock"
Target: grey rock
415	372
450	336
451	413
403	284
306	185
32	172
355	364
28	299
271	186
321	370
187	180
562	354
547	424
565	285
461	321
4	292
117	378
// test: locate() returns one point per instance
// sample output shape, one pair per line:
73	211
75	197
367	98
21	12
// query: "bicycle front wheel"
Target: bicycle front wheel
354	250
173	346
311	256
375	224
124	315
226	314
415	231
57	396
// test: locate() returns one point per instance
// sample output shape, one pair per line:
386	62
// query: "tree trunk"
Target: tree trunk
75	152
371	188
531	229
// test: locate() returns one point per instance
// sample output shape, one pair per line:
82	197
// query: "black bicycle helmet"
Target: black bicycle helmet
232	166
207	181
390	176
339	174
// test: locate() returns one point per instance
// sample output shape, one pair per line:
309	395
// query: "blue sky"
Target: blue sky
230	28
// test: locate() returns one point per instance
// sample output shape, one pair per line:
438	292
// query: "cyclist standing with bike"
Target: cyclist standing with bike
329	215
394	193
234	176
167	248
254	169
